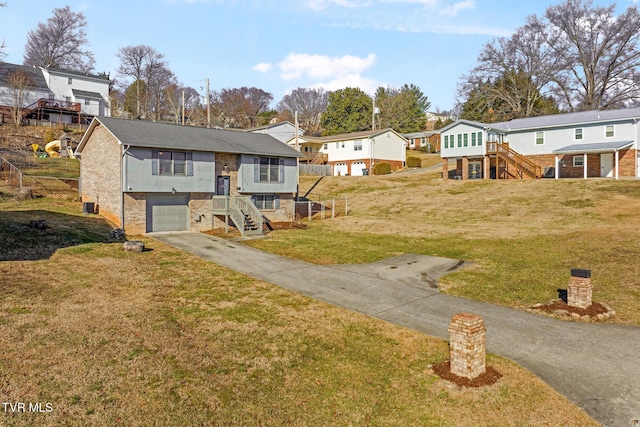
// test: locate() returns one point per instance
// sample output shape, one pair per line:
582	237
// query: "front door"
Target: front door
606	165
223	186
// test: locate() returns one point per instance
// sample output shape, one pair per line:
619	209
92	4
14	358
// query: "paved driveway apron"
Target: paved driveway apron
595	366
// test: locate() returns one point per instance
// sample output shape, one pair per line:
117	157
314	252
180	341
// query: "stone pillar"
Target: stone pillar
465	168
467	345
580	289
445	168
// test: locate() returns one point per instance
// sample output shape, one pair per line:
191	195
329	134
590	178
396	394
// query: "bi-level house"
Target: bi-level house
572	145
355	153
147	177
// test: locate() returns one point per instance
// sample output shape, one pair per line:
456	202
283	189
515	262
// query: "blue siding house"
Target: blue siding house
147	177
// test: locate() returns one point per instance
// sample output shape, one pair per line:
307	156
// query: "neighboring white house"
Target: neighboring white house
90	91
9	95
357	153
572	145
56	95
282	131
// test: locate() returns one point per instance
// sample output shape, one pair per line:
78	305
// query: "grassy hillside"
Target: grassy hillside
523	237
97	336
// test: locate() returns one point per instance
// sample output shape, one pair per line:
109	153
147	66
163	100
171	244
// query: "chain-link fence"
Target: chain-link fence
13	165
318	206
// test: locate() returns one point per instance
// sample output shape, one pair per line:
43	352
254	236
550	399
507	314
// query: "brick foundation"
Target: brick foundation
580	289
467	345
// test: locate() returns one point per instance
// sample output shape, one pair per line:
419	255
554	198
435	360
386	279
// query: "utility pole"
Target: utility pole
208	106
373	114
183	108
297	160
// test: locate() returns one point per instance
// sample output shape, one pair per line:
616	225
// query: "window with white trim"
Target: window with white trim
578	161
578	134
608	131
357	145
446	141
539	138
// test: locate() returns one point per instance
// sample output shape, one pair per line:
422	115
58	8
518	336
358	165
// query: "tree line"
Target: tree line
146	88
575	57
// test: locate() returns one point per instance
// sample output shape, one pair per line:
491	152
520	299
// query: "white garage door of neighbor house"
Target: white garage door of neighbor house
356	168
167	214
340	169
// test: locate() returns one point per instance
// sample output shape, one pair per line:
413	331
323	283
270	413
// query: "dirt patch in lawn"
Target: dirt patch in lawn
489	377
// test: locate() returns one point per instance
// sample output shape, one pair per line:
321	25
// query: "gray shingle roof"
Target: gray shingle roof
580	117
599	147
140	133
37	79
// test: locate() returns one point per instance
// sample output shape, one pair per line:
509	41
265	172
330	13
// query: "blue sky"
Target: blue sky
281	45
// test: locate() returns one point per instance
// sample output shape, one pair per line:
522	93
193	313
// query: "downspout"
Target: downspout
125	149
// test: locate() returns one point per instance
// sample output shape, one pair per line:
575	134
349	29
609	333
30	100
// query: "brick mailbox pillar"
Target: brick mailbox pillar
580	289
467	345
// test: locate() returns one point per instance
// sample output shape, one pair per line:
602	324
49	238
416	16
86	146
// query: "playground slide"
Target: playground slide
53	149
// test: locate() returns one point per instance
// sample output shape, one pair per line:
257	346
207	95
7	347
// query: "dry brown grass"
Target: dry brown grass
165	338
523	237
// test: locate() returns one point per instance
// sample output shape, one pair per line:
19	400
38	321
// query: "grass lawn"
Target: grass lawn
523	237
104	337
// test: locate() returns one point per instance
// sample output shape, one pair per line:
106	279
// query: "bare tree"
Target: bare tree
20	85
513	76
60	43
309	103
240	107
175	95
3	46
600	53
577	56
146	68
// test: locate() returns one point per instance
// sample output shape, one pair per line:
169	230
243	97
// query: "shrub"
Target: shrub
382	168
414	162
50	135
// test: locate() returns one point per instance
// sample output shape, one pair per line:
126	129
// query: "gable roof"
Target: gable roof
70	73
140	133
355	135
580	117
555	120
38	81
466	122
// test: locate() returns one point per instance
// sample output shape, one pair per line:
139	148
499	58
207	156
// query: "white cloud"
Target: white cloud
457	7
297	65
351	80
263	67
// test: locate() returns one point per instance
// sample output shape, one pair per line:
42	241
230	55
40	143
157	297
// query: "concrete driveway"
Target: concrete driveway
595	366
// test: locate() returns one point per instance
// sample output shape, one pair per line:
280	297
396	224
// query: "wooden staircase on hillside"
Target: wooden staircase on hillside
509	164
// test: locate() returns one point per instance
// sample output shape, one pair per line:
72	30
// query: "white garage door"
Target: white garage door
356	168
340	169
167	214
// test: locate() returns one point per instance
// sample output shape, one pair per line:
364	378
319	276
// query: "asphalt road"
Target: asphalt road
595	366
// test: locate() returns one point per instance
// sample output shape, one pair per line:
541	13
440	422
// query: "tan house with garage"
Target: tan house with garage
147	177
